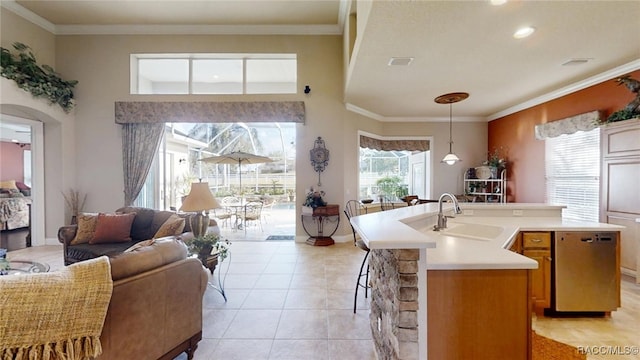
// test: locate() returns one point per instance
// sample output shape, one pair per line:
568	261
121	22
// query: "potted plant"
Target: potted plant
209	247
496	162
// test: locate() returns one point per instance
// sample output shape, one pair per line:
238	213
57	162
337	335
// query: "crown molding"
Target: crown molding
597	79
28	15
198	30
329	29
378	117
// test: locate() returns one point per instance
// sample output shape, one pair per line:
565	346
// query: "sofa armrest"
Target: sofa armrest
67	233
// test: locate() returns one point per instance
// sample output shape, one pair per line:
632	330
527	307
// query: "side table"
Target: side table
211	262
329	214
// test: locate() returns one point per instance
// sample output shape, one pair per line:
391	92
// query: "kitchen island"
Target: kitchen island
435	293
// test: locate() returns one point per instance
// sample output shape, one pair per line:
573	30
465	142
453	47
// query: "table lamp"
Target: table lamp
199	199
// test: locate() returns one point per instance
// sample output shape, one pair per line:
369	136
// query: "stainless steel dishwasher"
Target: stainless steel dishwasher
584	273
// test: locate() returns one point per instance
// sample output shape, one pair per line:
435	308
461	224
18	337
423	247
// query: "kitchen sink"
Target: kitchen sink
472	231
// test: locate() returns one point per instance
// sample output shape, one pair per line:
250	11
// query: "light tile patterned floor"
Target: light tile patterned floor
294	301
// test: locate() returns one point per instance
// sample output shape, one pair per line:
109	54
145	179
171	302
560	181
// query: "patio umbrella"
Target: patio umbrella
237	157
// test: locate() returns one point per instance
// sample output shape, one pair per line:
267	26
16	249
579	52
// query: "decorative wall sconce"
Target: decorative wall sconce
307	89
319	157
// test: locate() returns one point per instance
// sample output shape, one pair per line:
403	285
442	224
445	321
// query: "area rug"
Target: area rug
544	348
280	237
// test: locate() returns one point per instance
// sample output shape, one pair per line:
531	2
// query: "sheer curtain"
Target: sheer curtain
139	145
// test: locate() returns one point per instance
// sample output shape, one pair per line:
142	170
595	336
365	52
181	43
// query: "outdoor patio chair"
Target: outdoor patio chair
386	204
252	212
267	207
223	215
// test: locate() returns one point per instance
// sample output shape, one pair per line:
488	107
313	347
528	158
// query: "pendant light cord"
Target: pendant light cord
450	126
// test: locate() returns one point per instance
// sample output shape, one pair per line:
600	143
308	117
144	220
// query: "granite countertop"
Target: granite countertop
411	228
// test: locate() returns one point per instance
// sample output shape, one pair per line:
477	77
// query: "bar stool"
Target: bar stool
354	208
363	273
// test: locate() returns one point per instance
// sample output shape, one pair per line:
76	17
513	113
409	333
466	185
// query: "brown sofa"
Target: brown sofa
145	224
155	310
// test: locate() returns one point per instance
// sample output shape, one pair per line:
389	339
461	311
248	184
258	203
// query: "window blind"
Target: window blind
572	170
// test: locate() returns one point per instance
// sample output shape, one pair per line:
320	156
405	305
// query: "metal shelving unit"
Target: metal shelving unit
487	190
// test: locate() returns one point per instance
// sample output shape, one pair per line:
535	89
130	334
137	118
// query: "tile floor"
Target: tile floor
290	300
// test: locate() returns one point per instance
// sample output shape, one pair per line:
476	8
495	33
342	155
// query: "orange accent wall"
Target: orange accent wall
525	155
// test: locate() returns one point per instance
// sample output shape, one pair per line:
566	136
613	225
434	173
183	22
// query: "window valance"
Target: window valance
582	122
393	145
127	112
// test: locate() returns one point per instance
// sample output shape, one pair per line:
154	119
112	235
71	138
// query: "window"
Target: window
393	167
572	168
177	163
214	74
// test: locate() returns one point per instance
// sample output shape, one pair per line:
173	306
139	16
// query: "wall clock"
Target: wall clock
319	157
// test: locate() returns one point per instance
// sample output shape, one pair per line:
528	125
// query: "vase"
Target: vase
494	172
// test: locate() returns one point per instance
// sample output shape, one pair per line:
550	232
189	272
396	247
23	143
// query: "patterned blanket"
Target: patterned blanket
14	213
56	315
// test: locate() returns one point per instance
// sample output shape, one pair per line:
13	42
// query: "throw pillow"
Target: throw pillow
171	227
140	244
113	228
8	184
86	228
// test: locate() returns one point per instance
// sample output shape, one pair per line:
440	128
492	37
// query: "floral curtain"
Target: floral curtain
582	122
206	112
139	145
393	145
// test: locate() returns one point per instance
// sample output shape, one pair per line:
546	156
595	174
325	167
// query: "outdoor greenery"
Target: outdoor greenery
40	81
391	186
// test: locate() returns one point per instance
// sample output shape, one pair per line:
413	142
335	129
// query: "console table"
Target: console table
329	214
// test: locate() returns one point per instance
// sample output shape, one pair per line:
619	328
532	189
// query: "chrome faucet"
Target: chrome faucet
442	219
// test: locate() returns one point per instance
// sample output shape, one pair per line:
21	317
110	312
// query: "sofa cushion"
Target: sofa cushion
113	228
88	251
141	228
86	228
173	226
144	258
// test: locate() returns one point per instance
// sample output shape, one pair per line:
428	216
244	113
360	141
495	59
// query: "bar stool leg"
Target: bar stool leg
358	284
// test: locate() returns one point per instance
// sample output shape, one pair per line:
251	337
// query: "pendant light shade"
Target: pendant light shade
451	98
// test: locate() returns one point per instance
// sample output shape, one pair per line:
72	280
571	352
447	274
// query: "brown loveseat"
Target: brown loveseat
155	310
145	225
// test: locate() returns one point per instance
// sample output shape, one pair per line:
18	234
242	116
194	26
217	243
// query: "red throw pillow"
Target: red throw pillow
113	228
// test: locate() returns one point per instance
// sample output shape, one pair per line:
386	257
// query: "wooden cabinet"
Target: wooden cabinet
620	202
537	246
478	314
487	190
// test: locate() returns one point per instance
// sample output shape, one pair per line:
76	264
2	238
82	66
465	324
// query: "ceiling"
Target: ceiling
455	45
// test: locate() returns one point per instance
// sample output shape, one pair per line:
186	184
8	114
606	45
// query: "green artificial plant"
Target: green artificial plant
40	81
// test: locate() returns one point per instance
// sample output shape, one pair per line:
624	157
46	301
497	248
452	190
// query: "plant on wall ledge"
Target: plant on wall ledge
40	81
632	110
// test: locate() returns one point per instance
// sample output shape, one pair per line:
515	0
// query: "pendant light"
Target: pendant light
451	98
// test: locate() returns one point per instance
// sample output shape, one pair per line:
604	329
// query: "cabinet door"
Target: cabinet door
536	240
540	278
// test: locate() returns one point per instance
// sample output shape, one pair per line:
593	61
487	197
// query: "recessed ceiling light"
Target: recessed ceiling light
524	32
576	61
400	61
498	2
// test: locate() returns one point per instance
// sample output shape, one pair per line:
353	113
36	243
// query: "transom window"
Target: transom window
214	74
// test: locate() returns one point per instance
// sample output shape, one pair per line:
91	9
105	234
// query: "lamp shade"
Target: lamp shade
200	198
450	159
